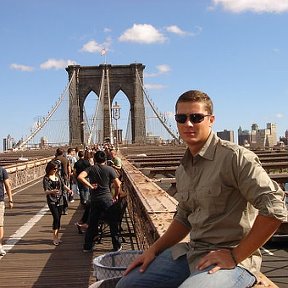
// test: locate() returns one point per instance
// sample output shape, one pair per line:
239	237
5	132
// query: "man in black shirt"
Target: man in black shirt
80	166
100	178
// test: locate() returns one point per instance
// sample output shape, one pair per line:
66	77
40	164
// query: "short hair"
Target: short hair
100	157
59	152
50	166
70	149
196	96
80	154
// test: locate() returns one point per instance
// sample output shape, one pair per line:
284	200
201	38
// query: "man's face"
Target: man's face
194	134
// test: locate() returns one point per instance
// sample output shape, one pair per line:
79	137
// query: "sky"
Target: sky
234	50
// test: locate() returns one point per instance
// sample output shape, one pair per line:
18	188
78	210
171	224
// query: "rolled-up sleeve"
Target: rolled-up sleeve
258	188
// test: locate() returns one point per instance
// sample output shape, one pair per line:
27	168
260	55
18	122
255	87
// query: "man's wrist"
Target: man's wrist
233	257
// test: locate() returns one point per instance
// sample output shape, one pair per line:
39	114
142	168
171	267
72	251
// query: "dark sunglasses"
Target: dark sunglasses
194	118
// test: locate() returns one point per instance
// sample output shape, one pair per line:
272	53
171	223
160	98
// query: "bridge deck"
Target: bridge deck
34	261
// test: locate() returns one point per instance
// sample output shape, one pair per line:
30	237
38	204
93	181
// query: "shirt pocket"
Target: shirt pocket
212	200
182	193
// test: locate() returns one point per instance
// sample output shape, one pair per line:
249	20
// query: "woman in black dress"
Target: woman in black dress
54	187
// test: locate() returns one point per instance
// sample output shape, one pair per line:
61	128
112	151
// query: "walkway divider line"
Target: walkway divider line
20	233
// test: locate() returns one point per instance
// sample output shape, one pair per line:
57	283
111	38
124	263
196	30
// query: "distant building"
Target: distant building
8	143
244	137
43	142
285	138
226	135
258	138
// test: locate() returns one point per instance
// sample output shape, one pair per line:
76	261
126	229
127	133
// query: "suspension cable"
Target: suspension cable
46	119
156	112
94	119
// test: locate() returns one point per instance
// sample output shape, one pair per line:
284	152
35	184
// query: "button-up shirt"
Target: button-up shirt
220	191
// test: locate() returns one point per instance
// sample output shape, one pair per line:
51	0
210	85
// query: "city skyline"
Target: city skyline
234	50
10	141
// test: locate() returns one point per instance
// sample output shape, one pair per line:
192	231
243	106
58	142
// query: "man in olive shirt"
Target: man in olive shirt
219	187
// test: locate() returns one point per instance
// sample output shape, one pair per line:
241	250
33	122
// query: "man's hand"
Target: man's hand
222	259
144	260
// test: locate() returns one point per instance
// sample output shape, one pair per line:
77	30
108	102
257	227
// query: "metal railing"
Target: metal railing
23	173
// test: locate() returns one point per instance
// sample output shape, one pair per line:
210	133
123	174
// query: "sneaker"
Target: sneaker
2	252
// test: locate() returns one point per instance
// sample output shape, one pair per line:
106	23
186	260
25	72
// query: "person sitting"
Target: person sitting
227	204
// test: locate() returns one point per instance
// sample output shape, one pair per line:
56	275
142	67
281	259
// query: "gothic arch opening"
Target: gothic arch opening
124	122
106	81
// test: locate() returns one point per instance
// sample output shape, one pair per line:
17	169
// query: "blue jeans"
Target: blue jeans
164	272
83	192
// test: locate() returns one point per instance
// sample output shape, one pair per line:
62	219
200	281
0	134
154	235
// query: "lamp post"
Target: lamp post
116	116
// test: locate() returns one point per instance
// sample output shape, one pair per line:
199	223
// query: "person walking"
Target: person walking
227	203
71	156
5	186
80	165
63	171
100	178
54	188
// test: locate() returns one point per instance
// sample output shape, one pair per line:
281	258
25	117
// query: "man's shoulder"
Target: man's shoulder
3	174
233	148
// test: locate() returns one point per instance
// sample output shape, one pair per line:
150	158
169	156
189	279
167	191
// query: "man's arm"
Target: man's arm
8	189
117	185
174	234
263	228
82	178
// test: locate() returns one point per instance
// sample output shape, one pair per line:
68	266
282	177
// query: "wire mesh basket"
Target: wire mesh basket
113	264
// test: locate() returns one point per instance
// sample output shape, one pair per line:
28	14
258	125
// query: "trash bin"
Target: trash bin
113	264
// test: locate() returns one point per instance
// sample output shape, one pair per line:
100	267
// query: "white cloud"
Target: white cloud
162	69
92	47
142	33
258	6
279	115
20	67
176	30
152	86
107	30
56	64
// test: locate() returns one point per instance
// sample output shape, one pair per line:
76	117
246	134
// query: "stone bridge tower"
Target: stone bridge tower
121	77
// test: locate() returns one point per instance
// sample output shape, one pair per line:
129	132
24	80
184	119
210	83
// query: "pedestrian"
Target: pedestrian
63	171
5	186
80	166
227	204
71	156
101	200
54	188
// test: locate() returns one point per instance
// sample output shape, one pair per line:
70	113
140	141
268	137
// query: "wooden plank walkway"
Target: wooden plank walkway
34	261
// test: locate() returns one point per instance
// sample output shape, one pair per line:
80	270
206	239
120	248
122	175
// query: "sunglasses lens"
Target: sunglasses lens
196	118
181	118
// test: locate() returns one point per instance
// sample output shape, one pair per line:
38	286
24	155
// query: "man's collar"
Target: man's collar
209	147
207	151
